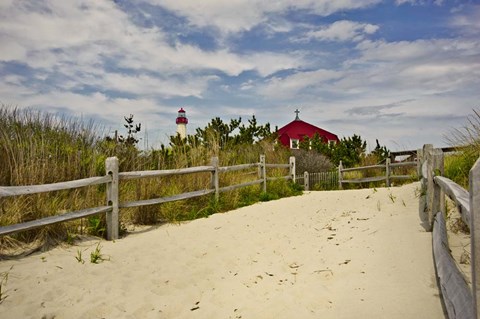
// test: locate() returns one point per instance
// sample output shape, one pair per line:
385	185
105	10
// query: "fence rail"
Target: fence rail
460	300
112	179
387	177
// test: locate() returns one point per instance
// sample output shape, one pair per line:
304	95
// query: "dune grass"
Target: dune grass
41	148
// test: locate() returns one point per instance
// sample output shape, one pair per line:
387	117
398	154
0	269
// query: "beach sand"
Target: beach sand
337	254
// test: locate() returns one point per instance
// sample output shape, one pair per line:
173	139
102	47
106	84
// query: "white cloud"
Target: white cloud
289	86
420	2
238	15
77	44
467	20
342	30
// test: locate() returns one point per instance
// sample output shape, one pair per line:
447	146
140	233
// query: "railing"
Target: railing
321	180
460	300
112	179
387	177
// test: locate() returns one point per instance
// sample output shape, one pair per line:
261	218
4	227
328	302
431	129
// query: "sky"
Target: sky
405	72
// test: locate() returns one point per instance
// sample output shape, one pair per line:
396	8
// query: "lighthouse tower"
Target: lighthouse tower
182	122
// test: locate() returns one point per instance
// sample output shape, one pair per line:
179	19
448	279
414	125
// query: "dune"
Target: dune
337	254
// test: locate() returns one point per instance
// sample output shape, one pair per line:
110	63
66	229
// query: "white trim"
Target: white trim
294	143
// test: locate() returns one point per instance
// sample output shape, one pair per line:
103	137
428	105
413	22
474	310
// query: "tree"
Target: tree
381	152
132	131
350	150
226	135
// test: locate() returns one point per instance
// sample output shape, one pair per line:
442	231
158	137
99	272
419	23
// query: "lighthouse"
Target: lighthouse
182	122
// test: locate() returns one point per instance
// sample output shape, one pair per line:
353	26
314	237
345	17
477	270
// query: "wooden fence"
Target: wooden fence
461	300
387	176
334	180
320	180
114	204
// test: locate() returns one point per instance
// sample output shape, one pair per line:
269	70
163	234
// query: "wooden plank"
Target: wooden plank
306	180
166	172
262	169
458	194
362	168
387	172
112	220
232	187
413	152
474	180
364	180
438	198
161	200
293	168
34	189
10	229
455	291
277	165
401	164
236	167
215	178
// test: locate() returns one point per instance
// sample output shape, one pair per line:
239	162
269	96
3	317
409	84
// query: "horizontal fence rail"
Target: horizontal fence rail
35	189
387	177
112	179
461	301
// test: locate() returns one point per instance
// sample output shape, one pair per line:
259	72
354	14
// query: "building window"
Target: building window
294	143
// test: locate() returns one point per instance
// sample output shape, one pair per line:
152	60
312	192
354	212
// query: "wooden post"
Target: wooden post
419	163
306	181
340	175
111	166
424	187
436	198
215	177
475	235
387	172
263	173
292	168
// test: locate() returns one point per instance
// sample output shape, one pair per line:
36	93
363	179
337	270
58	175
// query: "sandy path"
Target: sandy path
339	254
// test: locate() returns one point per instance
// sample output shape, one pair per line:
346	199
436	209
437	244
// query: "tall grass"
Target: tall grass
458	165
41	148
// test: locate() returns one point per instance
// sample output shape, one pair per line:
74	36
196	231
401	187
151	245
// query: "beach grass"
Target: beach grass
42	148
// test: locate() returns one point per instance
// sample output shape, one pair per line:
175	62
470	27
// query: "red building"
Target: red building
291	134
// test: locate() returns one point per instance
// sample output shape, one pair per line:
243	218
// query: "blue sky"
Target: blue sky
406	72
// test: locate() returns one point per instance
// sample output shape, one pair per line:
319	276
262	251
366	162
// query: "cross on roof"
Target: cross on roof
296	117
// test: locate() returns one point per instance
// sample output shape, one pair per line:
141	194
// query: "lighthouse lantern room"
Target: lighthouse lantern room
182	122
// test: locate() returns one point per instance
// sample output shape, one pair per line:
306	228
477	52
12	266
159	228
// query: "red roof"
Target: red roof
298	129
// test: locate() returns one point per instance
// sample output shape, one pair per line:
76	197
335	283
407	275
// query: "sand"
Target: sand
337	254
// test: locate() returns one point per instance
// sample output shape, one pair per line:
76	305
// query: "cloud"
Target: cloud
238	15
376	109
420	2
53	40
342	31
467	19
288	86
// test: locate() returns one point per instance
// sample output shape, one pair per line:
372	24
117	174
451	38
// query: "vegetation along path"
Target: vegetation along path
338	254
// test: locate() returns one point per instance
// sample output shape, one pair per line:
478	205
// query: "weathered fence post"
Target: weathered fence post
111	167
419	163
475	235
423	199
306	181
387	172
438	194
292	168
435	196
215	177
340	175
263	173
